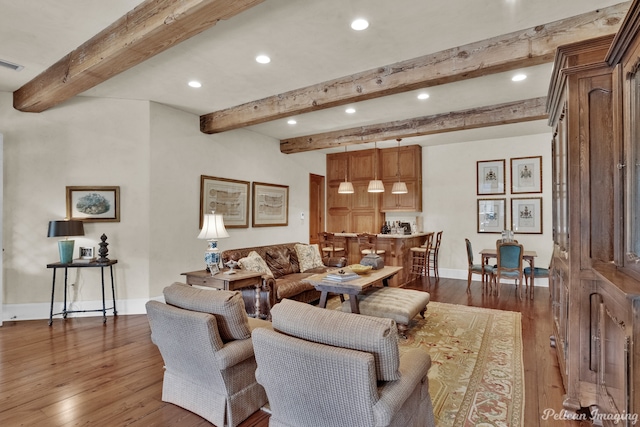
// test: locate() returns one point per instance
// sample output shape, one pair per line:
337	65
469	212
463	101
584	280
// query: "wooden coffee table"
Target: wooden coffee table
351	287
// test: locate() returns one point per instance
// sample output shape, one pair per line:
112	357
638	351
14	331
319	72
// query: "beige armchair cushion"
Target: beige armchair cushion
308	256
354	331
226	306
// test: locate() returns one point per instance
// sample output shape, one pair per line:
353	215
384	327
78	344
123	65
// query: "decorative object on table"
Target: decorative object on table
103	251
399	187
360	269
85	255
491	215
228	197
65	228
507	236
375	185
526	215
270	205
526	175
212	230
375	261
341	276
94	203
346	187
232	264
490	176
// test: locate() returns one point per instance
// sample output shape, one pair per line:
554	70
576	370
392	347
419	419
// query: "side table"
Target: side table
248	282
56	265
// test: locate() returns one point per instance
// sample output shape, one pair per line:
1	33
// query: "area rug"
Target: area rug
476	376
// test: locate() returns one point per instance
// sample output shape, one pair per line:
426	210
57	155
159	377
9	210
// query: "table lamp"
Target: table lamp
212	230
65	228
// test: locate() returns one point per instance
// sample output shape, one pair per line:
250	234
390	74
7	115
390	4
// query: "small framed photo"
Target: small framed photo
270	205
93	204
490	176
491	215
526	215
228	197
526	175
86	253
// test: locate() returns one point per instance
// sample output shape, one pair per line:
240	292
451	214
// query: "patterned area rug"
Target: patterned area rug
476	376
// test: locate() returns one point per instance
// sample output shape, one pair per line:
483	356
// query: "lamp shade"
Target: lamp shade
213	227
346	188
399	188
64	228
375	186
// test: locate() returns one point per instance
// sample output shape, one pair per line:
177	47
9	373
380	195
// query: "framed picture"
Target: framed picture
491	215
526	175
270	205
490	175
94	204
526	215
86	253
228	197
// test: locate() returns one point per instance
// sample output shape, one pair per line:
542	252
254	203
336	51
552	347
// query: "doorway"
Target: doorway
316	206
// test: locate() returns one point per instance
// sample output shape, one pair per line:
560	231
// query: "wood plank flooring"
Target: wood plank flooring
81	372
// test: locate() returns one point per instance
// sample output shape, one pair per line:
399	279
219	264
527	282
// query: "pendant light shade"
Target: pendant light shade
399	187
346	187
375	185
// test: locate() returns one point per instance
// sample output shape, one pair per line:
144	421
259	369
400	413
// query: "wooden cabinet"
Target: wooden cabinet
404	164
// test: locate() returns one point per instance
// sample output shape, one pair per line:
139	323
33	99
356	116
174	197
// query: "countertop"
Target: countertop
386	236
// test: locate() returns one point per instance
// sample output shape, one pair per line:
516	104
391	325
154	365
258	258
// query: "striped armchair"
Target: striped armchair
324	367
204	337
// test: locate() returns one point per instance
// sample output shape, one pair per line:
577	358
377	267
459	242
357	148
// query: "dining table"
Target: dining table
528	256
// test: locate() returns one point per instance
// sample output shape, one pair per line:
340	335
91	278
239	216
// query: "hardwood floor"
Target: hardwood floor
80	371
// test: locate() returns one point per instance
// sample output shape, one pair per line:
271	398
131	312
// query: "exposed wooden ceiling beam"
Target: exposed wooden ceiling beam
150	28
519	49
511	112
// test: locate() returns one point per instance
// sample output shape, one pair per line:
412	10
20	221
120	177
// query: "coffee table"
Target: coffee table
351	287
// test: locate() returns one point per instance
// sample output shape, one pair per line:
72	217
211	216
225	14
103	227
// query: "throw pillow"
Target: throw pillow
254	262
308	256
226	306
279	262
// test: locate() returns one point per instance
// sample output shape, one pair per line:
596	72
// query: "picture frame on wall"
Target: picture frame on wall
526	175
491	215
526	215
228	197
93	203
270	205
490	177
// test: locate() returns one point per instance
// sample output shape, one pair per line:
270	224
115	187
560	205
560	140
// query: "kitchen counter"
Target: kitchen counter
397	249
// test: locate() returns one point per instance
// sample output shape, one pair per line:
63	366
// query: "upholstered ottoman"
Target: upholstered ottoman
398	304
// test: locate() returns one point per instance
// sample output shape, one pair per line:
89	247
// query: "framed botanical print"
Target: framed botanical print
227	197
526	215
270	205
526	175
93	203
490	177
491	215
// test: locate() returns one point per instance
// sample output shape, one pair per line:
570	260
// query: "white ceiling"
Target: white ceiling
309	42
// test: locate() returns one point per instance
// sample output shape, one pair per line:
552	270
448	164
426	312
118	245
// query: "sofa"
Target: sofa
325	368
286	272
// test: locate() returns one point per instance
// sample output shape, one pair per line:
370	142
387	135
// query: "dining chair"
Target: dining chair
538	272
510	260
433	255
486	271
331	246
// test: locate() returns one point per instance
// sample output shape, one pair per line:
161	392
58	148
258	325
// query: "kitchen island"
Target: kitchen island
397	249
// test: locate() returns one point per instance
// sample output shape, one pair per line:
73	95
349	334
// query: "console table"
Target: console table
101	265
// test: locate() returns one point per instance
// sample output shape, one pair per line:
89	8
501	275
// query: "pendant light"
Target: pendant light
346	187
375	185
399	187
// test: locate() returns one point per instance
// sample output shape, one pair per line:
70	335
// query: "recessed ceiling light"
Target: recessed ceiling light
423	96
263	59
350	110
518	77
194	83
292	121
360	24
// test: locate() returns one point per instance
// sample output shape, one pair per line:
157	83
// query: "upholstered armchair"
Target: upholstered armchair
324	367
204	337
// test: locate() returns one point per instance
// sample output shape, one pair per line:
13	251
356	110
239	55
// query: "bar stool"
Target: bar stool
420	257
331	246
368	244
432	262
